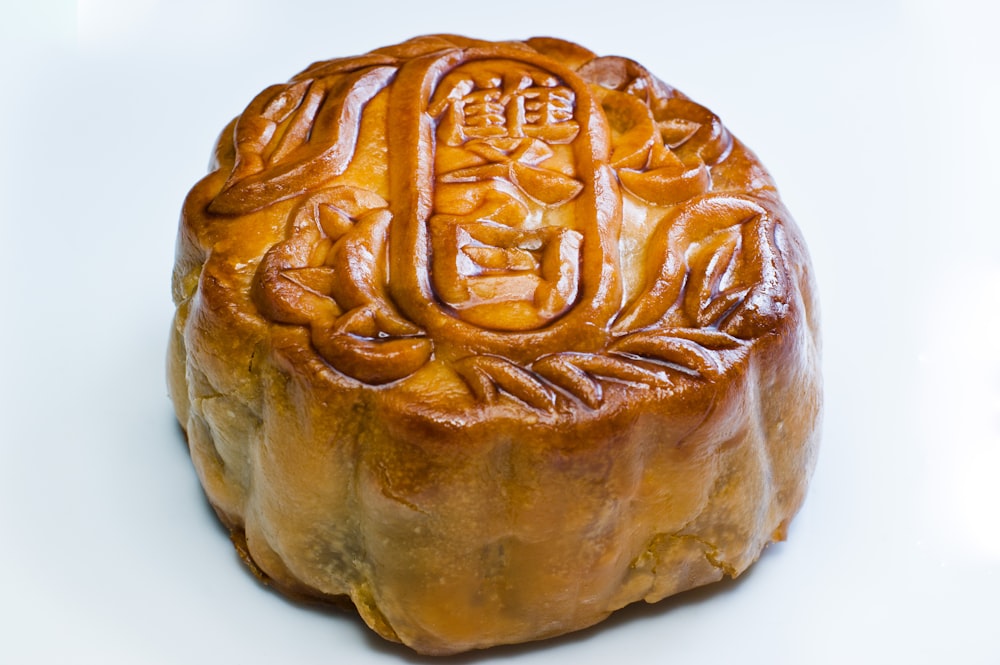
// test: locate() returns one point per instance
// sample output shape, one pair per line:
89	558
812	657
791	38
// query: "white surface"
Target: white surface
879	122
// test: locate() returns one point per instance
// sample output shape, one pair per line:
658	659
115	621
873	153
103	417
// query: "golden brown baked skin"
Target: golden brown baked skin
493	339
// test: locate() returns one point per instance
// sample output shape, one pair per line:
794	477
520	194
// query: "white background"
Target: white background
879	122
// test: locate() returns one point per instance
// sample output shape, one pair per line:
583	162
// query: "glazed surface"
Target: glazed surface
492	338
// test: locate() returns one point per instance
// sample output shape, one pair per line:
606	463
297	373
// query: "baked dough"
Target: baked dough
492	339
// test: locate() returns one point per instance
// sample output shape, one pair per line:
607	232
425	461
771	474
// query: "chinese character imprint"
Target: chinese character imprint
503	254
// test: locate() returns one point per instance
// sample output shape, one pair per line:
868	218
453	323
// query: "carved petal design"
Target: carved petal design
572	54
669	184
355	261
580	374
678	351
642	146
628	76
702	248
337	288
338	66
296	137
711	142
620	368
713	288
486	376
563	372
545	185
319	281
632	127
372	361
767	299
707	338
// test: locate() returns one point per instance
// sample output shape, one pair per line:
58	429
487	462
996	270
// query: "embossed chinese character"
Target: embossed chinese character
502	254
514	106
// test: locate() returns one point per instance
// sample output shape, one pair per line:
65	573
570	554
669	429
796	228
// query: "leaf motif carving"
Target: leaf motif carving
668	184
319	281
560	370
706	255
766	300
651	358
293	138
676	351
487	376
711	141
325	275
713	288
372	361
621	368
545	185
581	374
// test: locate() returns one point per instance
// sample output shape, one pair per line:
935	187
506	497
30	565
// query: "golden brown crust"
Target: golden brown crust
494	339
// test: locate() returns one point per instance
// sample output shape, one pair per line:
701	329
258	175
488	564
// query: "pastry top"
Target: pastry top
477	228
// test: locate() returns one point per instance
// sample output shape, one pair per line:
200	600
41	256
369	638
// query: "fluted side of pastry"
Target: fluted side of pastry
493	339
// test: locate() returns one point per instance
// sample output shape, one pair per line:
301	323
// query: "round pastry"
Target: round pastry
492	339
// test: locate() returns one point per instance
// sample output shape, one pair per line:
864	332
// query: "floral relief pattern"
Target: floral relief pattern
505	244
